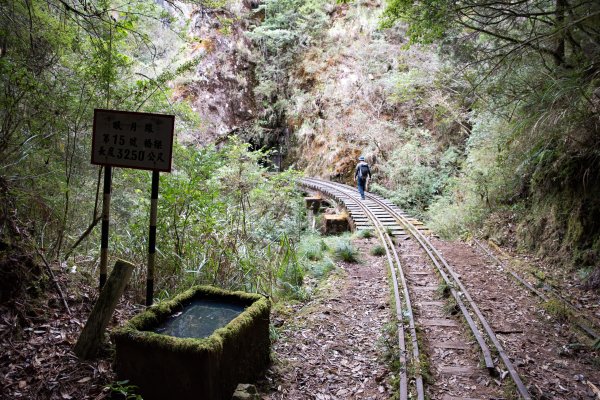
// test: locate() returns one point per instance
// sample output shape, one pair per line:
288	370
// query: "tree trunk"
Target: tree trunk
561	33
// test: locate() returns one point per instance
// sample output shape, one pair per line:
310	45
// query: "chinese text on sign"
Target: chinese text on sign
133	140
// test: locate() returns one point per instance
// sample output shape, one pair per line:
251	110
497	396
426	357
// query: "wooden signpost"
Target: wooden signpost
132	140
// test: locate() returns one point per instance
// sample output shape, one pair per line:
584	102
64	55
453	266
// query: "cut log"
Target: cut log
333	224
93	332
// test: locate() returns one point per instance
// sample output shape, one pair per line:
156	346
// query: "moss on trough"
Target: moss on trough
208	368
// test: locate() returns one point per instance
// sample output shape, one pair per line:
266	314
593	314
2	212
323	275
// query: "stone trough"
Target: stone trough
211	367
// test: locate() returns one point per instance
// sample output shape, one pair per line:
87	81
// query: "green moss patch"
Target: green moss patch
163	365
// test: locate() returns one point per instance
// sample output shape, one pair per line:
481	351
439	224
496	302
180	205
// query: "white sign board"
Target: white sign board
133	140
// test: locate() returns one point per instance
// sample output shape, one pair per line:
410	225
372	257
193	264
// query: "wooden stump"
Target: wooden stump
93	332
333	224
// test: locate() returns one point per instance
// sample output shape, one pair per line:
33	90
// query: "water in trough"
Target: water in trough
199	319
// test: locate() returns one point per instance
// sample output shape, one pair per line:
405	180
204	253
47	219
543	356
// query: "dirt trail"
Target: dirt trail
333	347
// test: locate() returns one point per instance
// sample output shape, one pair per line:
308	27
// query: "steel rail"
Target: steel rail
392	256
401	336
577	322
434	254
487	355
472	325
446	272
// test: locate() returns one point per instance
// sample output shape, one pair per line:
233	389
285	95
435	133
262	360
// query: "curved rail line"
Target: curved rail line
385	218
348	197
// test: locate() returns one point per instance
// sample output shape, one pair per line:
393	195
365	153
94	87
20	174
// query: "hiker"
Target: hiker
361	175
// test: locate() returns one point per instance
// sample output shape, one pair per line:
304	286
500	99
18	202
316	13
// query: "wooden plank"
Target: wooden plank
93	332
432	303
420	273
457	370
448	397
451	345
439	322
425	288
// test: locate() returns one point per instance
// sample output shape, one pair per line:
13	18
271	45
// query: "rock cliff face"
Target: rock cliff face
341	95
221	90
343	108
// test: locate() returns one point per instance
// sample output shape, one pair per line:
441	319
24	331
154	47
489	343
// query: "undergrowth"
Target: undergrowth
343	250
365	233
378	251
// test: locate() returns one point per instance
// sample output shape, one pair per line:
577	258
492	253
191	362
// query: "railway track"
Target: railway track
455	351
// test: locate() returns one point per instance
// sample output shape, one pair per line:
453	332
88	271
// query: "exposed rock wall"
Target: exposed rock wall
221	90
343	105
342	92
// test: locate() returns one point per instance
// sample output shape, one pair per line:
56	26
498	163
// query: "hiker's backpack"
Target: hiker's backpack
363	171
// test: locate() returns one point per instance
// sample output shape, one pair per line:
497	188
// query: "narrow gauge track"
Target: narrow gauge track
585	323
388	221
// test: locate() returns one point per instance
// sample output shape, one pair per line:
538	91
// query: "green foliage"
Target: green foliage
343	250
322	268
57	64
222	219
213	3
428	20
124	389
365	233
411	86
557	309
378	251
311	252
532	146
311	248
289	26
417	173
443	290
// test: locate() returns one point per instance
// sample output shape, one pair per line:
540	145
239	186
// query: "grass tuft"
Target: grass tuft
365	233
311	248
557	309
344	251
378	251
321	268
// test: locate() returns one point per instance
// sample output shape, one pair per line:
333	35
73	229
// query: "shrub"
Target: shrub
378	251
344	251
365	233
322	268
311	248
557	309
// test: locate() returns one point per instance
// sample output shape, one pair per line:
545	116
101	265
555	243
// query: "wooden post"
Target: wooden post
105	225
152	238
313	204
93	332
